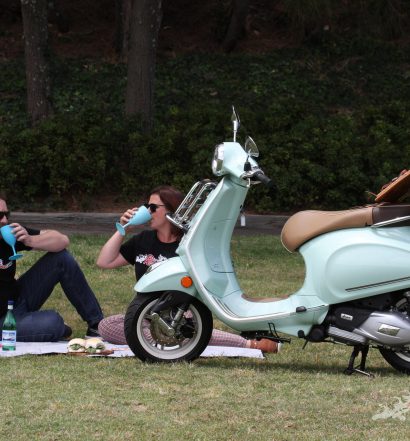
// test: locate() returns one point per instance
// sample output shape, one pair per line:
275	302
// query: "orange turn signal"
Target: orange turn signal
186	282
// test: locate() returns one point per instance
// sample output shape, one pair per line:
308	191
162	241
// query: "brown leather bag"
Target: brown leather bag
396	189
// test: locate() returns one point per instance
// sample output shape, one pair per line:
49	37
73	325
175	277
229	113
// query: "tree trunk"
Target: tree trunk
122	28
236	28
34	13
56	16
145	22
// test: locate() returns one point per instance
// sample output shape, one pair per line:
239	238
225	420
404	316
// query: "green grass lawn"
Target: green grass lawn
298	394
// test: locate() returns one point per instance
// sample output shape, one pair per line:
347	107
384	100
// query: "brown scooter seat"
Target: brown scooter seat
263	299
383	213
305	225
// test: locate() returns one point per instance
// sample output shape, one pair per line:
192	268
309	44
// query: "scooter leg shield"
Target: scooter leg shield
165	276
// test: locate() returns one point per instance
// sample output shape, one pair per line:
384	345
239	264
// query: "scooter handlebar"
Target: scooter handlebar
261	177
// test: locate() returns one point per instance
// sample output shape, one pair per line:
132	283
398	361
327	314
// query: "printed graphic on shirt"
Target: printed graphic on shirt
5	266
149	259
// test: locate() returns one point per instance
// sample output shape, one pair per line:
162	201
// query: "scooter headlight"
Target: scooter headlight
218	160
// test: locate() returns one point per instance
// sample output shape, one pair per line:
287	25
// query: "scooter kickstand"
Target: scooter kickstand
361	368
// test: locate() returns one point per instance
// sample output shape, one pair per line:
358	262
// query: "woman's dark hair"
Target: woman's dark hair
172	198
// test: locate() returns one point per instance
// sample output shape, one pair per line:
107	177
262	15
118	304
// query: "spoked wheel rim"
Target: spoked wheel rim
404	355
400	360
172	348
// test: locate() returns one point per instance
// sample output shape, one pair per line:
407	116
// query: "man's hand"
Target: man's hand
21	234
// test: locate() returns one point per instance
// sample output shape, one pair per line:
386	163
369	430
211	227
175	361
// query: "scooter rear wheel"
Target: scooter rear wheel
149	344
399	360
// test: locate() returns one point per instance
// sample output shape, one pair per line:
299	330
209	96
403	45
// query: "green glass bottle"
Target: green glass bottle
9	331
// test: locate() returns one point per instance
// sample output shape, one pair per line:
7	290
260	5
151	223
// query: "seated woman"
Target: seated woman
148	247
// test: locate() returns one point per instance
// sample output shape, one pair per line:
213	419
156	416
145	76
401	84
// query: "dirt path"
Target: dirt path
104	223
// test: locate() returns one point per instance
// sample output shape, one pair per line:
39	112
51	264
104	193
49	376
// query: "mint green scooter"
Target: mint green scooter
356	290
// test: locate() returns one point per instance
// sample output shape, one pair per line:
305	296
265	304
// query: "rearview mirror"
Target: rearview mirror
236	122
251	148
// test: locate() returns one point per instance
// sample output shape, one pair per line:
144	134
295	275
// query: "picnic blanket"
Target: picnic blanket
122	350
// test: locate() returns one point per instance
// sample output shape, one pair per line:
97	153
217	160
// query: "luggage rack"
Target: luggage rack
191	204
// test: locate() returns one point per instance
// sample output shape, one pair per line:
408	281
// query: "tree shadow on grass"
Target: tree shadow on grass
299	367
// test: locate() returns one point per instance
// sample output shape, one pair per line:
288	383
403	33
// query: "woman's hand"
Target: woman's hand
110	256
127	215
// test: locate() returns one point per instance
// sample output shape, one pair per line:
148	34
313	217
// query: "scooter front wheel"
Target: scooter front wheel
400	360
150	342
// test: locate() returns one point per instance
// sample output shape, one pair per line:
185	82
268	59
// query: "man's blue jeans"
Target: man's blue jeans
36	286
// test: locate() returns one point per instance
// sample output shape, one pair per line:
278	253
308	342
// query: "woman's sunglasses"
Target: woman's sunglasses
153	207
4	213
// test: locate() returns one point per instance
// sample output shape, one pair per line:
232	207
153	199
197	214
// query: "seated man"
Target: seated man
34	287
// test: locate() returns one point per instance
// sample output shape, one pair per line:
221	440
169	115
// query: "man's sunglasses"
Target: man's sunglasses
153	207
4	213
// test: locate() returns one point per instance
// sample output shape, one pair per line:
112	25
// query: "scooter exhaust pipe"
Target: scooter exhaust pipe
346	336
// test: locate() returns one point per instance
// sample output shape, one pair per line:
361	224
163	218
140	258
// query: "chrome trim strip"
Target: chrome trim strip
373	285
273	315
233	316
391	221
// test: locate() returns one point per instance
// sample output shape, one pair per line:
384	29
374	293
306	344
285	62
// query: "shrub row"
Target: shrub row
330	122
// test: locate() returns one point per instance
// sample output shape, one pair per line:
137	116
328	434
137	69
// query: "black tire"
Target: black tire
399	360
145	345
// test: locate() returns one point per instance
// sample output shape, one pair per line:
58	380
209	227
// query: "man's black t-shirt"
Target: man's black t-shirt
8	286
144	249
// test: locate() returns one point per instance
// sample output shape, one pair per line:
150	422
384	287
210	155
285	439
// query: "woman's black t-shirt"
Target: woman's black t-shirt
144	249
8	285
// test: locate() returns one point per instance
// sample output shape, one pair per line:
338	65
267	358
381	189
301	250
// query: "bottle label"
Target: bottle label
9	340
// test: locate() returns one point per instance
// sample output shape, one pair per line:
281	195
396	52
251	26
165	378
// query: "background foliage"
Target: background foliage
331	120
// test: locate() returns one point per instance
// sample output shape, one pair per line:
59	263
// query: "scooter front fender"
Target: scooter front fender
165	276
